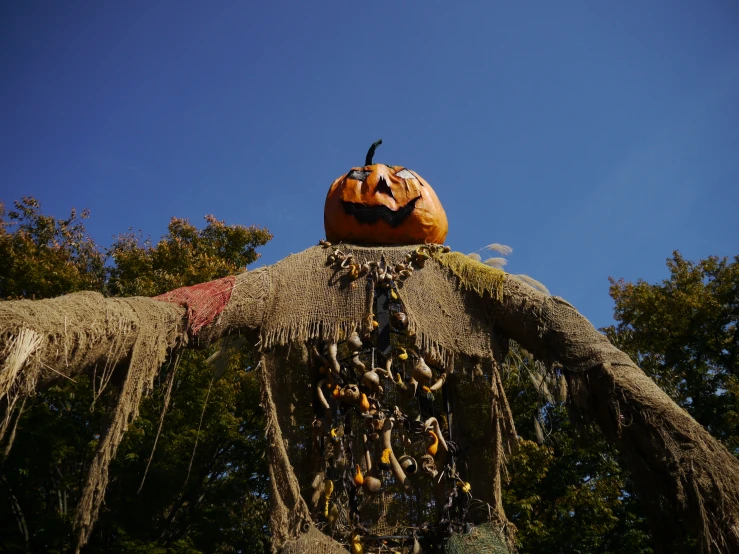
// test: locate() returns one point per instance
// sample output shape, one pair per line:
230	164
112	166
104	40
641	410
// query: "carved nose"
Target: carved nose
384	188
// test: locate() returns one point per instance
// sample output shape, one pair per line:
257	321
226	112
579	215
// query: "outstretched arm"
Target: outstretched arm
44	340
62	337
686	477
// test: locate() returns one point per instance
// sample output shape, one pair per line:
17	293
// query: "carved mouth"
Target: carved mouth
371	214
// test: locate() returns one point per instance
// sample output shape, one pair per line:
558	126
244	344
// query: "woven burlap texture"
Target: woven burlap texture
310	300
312	542
59	336
245	309
484	539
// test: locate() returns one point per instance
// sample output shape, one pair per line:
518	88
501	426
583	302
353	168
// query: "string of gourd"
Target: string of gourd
425	405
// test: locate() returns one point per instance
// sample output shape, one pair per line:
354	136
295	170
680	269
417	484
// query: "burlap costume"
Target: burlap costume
455	308
310	301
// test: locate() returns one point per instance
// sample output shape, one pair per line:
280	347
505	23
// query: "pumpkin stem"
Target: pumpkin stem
371	152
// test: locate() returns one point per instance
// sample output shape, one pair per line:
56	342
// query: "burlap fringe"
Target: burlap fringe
289	514
473	274
431	348
70	335
301	331
324	329
148	354
309	301
13	383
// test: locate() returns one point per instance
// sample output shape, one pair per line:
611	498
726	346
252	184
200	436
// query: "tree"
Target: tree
567	489
684	333
205	487
44	257
185	256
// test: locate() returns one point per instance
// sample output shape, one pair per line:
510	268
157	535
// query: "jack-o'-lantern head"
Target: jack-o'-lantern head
380	204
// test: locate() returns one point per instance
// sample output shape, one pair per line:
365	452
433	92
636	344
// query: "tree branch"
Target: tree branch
18	513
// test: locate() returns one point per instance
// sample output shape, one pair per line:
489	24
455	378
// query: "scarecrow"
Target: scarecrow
381	349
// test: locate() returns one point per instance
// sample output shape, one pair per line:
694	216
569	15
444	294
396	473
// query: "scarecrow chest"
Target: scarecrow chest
388	421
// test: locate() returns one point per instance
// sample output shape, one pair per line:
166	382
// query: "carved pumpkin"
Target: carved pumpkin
380	204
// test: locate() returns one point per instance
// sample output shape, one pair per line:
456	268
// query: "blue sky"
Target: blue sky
593	137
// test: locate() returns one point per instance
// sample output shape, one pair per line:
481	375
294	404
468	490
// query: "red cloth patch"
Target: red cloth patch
204	301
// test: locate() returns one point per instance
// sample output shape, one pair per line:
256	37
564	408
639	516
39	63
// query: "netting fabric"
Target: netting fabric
380	440
204	302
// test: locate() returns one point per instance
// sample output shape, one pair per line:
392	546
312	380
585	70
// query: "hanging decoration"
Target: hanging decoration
385	472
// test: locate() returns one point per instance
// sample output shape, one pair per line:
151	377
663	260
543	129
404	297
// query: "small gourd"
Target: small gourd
358	477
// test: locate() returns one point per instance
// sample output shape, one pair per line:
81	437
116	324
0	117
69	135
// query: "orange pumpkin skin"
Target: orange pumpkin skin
380	204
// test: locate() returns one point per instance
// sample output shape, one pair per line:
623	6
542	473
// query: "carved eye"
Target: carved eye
405	174
358	174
